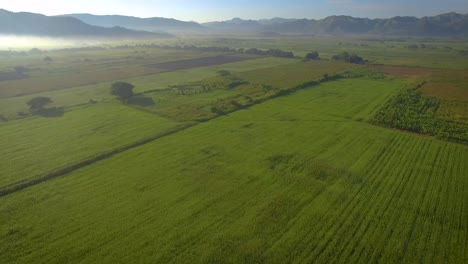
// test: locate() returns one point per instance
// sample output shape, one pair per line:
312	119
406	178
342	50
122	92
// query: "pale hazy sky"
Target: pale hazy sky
210	10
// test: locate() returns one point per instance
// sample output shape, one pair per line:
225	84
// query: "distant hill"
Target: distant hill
235	25
41	25
238	25
154	24
451	24
276	20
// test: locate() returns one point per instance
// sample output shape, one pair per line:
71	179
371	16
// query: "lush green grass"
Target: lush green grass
34	146
294	179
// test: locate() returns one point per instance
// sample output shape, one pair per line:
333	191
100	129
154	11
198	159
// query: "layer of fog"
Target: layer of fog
18	43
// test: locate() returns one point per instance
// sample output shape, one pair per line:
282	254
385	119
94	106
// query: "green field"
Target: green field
45	144
265	160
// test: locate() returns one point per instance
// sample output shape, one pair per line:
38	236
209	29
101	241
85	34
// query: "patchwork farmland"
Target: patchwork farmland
219	156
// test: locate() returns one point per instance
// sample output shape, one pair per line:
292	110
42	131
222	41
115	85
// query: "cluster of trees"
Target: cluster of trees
312	56
270	52
254	51
122	90
38	104
350	58
416	112
420	46
48	59
21	69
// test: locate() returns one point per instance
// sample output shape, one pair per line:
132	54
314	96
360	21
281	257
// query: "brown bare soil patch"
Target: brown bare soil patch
445	91
405	71
198	62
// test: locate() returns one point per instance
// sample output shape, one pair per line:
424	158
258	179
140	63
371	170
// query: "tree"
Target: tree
312	56
345	56
37	103
21	69
122	90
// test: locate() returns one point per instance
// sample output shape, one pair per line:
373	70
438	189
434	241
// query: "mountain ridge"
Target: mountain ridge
32	24
444	25
441	25
155	24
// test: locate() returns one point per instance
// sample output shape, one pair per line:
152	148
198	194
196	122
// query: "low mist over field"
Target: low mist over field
11	42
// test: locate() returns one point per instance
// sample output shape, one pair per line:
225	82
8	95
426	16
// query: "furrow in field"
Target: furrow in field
411	201
376	198
372	213
322	232
387	226
459	207
435	221
392	182
430	223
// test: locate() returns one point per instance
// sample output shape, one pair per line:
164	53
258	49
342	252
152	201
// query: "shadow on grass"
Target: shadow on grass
141	100
52	112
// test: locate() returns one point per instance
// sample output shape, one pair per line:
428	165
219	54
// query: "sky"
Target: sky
217	10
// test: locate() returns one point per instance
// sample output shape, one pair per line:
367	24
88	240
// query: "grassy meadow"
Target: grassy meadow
262	160
46	144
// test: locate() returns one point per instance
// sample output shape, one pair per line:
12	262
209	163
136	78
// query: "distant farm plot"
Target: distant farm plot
198	62
290	75
210	97
63	72
405	71
35	146
445	91
448	85
292	180
82	94
453	111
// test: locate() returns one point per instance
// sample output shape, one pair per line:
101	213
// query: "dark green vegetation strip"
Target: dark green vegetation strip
413	111
18	186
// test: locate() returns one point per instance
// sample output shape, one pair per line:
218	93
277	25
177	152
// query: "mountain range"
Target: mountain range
31	24
445	25
450	24
154	24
